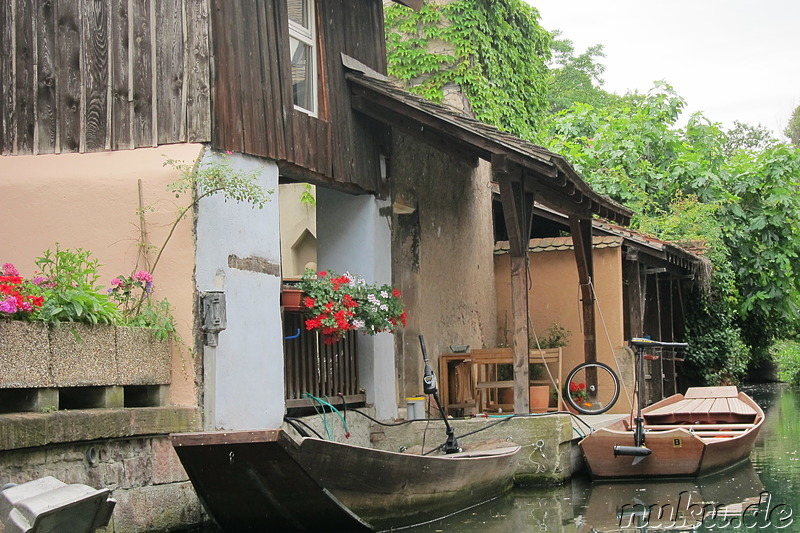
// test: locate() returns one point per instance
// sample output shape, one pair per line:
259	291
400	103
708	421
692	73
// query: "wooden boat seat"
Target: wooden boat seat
706	405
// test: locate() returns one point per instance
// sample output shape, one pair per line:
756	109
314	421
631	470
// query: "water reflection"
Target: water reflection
764	490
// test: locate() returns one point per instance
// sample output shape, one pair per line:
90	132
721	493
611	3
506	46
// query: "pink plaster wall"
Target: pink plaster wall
555	297
90	201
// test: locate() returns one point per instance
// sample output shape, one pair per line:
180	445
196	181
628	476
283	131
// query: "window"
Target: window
302	47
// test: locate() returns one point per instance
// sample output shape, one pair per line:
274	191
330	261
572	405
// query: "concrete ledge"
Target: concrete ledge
26	430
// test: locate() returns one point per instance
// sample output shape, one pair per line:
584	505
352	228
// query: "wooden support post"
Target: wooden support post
518	212
581	229
635	297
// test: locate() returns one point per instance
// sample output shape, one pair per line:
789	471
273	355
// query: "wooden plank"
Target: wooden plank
581	231
198	90
141	72
281	39
725	391
227	88
169	46
94	116
273	80
121	98
247	54
24	76
70	76
45	134
7	126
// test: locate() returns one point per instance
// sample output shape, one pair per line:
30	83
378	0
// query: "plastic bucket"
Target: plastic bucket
415	408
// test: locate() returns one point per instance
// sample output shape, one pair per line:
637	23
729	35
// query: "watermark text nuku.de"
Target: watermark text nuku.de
689	512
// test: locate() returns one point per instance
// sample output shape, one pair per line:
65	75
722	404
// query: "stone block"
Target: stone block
167	468
83	355
156	508
24	355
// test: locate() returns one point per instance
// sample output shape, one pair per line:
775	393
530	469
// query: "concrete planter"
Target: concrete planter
141	359
24	355
33	355
83	355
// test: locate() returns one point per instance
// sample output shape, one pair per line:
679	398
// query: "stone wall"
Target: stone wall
127	451
442	254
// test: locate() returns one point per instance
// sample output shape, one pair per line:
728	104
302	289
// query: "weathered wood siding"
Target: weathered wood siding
253	110
93	75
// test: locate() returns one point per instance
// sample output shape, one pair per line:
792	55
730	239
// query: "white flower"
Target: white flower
371	298
384	294
384	307
358	324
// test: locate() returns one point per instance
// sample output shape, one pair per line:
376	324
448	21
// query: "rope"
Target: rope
610	345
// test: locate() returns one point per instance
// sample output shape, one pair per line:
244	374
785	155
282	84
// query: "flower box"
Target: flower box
24	355
33	355
292	299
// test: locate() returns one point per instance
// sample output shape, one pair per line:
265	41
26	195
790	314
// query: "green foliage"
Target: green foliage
495	51
793	127
737	192
556	336
748	138
717	355
71	293
213	176
575	79
787	354
134	297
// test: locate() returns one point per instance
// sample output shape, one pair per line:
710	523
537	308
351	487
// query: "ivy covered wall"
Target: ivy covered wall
495	52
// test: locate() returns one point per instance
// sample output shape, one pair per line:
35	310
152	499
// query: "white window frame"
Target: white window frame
308	36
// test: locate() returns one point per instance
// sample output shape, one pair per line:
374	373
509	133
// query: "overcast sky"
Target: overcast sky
731	59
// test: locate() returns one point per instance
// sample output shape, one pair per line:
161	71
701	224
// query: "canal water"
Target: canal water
762	494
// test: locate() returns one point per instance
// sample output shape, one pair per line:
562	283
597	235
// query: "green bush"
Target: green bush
787	354
70	289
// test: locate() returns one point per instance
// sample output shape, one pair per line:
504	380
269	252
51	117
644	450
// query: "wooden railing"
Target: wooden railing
313	367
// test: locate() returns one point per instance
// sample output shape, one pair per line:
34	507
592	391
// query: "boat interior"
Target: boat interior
708	412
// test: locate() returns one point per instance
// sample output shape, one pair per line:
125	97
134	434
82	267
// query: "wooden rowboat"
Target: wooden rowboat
706	430
267	481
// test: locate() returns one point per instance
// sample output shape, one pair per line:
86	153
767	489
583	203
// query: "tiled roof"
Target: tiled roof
550	244
557	183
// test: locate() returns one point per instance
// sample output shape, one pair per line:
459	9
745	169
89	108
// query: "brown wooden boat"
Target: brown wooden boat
267	481
706	430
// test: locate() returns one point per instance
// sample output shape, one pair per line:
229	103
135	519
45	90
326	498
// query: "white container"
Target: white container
415	408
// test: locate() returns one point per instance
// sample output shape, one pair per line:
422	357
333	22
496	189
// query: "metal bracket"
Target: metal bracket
214	315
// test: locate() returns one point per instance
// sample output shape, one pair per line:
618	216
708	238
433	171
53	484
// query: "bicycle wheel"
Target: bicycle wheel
591	388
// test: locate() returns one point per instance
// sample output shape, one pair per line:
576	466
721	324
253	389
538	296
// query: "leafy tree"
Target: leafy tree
575	79
746	137
793	127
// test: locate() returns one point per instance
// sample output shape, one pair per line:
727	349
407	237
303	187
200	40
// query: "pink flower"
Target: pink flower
116	282
8	305
228	152
9	270
144	276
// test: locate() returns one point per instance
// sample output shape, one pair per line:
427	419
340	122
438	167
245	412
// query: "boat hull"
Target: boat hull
703	443
266	481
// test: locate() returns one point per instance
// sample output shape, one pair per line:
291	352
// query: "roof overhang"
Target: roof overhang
548	175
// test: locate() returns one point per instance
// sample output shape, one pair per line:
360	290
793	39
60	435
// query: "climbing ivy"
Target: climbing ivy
495	51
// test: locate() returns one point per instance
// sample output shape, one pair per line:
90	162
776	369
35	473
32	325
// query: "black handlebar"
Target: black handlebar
638	341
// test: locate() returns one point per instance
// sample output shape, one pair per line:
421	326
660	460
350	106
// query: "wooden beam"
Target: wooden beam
581	229
416	5
635	305
518	212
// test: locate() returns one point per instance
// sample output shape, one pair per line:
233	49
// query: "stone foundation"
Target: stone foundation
125	450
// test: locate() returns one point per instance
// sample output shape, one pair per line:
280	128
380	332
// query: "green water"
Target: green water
766	488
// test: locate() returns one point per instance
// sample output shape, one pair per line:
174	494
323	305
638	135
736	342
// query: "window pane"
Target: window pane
302	82
298	12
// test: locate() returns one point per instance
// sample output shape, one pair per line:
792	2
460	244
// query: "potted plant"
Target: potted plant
337	303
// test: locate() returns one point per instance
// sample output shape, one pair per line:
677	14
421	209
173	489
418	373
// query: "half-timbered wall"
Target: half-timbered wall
94	75
252	98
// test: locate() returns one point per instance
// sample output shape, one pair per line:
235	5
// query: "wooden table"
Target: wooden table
483	379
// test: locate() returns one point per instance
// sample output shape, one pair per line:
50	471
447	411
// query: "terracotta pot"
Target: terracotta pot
292	300
540	398
505	396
